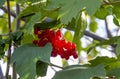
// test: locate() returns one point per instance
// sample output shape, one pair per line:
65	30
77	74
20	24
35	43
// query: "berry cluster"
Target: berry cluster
60	46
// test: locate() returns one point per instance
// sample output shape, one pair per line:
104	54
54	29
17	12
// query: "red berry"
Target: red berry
75	56
54	53
60	46
35	42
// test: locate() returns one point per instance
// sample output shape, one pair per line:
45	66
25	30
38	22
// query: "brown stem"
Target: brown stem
11	12
94	36
17	19
9	16
8	61
15	45
14	71
109	35
1	73
6	11
9	49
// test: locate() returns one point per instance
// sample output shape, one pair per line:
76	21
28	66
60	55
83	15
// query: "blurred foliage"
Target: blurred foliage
75	16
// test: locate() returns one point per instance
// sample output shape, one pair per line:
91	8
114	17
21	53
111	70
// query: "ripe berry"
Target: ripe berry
35	42
60	46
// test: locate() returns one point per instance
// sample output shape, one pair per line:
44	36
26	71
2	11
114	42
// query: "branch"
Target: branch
9	49
109	35
6	11
11	12
1	73
92	35
15	45
56	66
17	19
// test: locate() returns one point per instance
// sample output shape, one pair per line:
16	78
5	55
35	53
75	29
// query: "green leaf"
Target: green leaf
110	41
34	19
114	72
31	10
64	63
27	38
80	72
116	11
68	35
116	21
41	68
101	13
71	8
80	26
102	60
93	26
113	65
2	2
71	25
118	46
17	36
26	58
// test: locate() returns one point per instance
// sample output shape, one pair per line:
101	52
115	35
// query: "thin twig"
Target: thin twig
109	35
14	71
6	11
11	12
9	49
51	64
94	36
15	45
17	19
1	73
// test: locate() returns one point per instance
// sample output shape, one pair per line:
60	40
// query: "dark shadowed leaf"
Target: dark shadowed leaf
41	68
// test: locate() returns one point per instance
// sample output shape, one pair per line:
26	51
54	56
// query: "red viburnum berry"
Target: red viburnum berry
60	46
54	52
35	42
75	55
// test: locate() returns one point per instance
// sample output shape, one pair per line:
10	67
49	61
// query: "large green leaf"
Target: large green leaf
26	57
79	72
2	2
71	8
